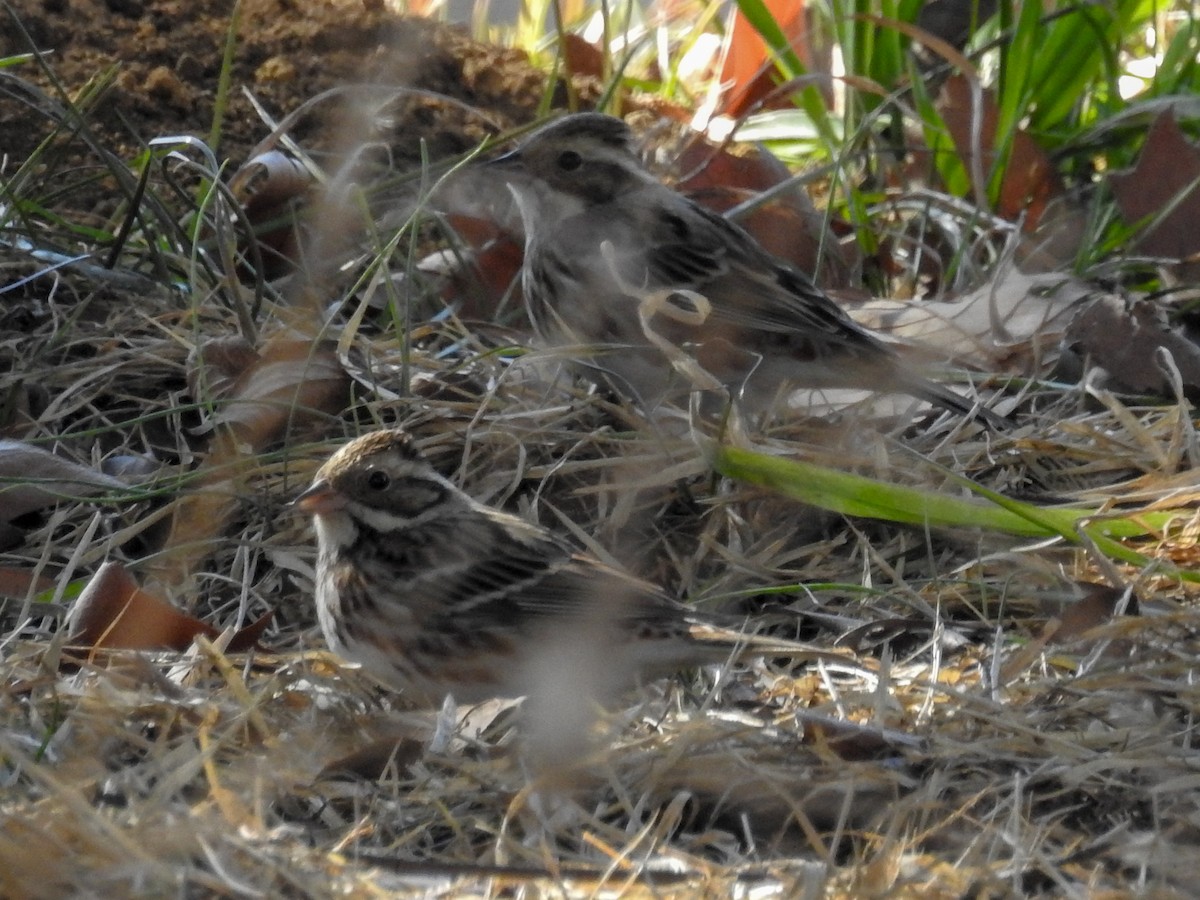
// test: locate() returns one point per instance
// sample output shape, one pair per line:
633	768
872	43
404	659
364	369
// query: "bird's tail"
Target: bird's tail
942	396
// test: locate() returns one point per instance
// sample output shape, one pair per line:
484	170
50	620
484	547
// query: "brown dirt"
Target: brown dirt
168	58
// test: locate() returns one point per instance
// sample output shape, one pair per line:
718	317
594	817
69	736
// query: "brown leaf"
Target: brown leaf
294	384
486	271
582	58
115	613
766	799
270	178
789	226
32	478
215	365
1097	606
270	186
748	72
474	230
374	760
1163	186
1071	624
18	582
1030	179
1124	338
850	740
247	638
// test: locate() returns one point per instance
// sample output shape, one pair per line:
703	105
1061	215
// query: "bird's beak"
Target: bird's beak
319	500
510	160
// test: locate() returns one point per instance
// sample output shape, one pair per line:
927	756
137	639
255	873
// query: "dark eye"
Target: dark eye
569	160
378	480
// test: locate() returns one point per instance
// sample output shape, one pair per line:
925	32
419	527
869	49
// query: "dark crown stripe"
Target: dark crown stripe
598	127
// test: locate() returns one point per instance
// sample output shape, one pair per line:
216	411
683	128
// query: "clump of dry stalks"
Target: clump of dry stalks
999	732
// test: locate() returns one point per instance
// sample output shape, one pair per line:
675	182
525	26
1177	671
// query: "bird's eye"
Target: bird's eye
569	160
378	480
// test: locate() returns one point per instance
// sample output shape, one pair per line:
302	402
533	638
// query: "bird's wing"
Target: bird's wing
587	586
691	248
595	596
526	579
680	249
748	290
515	576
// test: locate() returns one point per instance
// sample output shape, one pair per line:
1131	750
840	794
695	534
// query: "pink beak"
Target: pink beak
320	500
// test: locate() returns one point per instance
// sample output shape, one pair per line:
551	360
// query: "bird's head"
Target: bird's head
573	163
379	480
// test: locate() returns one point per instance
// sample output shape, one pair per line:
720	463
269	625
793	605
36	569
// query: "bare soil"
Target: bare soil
167	57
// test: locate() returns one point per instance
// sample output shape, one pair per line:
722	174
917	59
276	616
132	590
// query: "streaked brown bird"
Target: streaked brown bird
436	594
603	237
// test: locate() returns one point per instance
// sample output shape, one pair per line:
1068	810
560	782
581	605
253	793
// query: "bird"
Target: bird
436	595
603	236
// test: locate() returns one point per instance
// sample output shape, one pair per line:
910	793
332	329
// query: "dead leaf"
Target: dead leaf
582	59
214	366
270	186
1124	338
114	612
1164	188
1096	607
374	760
763	799
294	385
478	278
852	741
1030	180
748	73
1013	323
789	226
269	178
899	631
130	467
18	583
246	639
32	478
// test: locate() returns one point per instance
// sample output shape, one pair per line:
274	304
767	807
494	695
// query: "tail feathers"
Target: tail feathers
948	399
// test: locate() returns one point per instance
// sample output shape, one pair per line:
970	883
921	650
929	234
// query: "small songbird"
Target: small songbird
435	594
602	235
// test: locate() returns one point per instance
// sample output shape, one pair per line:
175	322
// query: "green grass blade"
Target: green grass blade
1080	46
789	64
856	495
946	161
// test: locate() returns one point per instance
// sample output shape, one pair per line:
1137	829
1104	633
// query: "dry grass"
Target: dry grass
971	750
